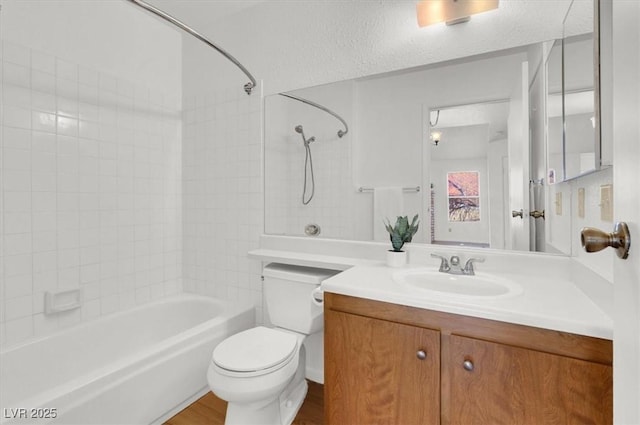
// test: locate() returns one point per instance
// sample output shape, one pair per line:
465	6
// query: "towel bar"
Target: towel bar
404	189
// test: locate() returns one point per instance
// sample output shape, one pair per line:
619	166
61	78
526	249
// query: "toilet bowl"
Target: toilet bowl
260	372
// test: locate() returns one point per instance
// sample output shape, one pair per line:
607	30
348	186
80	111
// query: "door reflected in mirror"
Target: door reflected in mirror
469	174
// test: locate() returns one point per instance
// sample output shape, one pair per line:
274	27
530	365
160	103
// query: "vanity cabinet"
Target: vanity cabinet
393	364
381	372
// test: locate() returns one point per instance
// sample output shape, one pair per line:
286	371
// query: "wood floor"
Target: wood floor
210	410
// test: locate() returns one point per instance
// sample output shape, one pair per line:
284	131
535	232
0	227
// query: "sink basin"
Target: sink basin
482	285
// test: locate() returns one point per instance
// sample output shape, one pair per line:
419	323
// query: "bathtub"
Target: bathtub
134	367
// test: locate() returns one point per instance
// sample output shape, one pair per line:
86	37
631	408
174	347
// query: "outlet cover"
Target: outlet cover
581	202
606	203
558	203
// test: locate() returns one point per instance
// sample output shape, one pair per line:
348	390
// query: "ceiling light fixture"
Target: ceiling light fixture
451	11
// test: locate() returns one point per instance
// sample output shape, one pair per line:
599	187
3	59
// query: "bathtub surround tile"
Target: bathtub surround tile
221	196
16	244
45	281
69	318
44	241
16	54
91	171
17	180
17	75
17	138
43	221
43	324
19	307
90	309
43	62
16	117
16	96
37	304
18	330
19	201
43	121
16	265
44	82
16	222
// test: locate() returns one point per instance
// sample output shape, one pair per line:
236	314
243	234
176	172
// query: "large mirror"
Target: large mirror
491	139
573	102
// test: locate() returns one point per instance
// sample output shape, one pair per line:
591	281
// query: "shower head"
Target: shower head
298	129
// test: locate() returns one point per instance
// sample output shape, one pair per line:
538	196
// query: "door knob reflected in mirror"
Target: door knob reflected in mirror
594	240
537	214
515	214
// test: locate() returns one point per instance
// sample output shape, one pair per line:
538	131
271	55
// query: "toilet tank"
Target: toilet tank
287	292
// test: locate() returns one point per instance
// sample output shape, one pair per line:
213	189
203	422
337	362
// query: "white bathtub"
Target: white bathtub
135	367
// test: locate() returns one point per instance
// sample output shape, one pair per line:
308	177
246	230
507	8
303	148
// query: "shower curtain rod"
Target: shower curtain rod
247	87
327	110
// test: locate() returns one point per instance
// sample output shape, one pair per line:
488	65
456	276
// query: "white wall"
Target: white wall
390	113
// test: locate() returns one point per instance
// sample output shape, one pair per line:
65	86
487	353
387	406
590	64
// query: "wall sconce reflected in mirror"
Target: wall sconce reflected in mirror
436	136
451	11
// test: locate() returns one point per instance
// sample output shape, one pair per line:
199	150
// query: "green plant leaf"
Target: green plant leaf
402	231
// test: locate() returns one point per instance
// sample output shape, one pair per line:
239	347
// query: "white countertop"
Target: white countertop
546	302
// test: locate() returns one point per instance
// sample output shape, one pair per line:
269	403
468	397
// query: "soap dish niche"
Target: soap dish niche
62	300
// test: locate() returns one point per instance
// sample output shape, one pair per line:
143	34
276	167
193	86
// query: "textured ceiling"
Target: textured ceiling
294	44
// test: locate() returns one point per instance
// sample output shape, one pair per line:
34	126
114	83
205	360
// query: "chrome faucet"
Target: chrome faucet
444	263
468	266
452	266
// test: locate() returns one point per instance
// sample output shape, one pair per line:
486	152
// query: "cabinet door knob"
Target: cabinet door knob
421	354
468	365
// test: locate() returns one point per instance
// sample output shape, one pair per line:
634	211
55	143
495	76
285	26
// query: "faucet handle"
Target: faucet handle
444	263
468	266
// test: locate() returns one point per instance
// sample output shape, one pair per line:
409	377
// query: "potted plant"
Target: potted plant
399	234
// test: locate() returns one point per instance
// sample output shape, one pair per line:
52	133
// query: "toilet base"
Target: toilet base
281	411
290	403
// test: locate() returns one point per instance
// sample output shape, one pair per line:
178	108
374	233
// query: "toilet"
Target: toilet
261	372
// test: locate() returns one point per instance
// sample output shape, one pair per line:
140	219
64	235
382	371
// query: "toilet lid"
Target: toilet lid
254	349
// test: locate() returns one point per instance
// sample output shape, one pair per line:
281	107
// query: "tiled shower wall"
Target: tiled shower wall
222	195
91	192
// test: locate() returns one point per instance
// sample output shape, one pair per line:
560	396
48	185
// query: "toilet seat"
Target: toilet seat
255	352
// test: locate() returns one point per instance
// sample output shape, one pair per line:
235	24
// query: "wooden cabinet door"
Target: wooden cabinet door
373	374
510	385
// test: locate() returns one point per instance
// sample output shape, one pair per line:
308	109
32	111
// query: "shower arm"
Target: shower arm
247	87
327	110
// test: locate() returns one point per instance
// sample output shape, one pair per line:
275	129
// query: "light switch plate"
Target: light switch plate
558	203
581	202
606	202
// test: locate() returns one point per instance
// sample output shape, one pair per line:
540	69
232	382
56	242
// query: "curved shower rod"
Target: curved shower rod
327	110
247	87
